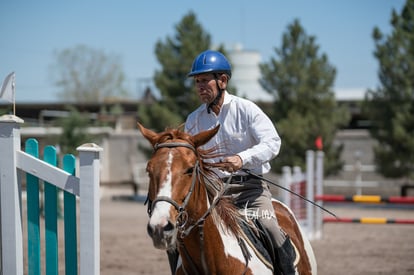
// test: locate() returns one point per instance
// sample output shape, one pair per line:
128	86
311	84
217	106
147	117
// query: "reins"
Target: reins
181	208
288	190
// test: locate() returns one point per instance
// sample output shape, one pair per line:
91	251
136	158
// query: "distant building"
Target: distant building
246	74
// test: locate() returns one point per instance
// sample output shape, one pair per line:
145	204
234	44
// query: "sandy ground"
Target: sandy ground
344	248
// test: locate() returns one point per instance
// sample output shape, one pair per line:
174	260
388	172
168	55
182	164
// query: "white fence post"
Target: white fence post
310	178
10	197
287	181
313	221
89	209
319	191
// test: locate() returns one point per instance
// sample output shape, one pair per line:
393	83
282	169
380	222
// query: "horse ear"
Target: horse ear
151	136
203	137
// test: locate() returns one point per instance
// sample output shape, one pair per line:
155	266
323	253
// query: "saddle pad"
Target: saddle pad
250	236
256	243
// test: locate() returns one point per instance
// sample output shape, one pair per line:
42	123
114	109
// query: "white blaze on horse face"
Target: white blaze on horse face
161	212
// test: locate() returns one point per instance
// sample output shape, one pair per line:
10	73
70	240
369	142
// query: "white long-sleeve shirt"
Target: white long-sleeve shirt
245	130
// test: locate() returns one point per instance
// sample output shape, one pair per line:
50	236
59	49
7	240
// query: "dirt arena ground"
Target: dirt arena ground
344	249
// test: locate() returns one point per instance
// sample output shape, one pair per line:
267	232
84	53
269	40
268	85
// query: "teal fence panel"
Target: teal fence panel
33	213
51	214
47	203
69	201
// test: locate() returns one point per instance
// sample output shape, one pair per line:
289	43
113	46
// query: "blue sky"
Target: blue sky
31	31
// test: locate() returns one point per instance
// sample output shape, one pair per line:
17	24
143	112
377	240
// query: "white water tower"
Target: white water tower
246	74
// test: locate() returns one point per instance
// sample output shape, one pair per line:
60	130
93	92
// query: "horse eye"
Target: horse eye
189	171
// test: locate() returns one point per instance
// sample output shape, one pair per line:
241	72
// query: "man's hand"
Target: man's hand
231	164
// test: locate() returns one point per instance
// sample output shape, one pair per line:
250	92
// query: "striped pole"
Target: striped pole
368	220
365	199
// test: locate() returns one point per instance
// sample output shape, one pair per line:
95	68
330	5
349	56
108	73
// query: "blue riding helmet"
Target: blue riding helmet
210	62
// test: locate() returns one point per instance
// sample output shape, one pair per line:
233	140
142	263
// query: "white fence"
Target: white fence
307	184
86	187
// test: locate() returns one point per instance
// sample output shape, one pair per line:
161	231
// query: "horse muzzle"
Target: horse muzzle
163	236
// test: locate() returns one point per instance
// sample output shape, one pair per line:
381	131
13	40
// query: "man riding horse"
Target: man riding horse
247	139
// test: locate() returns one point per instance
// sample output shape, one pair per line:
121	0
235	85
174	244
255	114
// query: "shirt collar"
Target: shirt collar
227	97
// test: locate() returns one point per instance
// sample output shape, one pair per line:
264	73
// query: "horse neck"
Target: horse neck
198	243
198	204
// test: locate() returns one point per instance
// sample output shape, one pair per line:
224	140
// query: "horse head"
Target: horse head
172	173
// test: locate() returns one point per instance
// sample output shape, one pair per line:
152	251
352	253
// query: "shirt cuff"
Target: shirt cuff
245	158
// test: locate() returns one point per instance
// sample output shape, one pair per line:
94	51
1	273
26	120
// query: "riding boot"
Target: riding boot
173	259
286	257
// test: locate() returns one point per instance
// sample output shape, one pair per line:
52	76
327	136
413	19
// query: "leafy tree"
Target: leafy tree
85	74
176	55
74	131
300	80
391	106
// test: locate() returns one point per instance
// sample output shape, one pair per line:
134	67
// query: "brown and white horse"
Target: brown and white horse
189	212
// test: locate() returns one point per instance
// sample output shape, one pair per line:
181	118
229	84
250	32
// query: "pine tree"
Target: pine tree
300	80
176	55
390	107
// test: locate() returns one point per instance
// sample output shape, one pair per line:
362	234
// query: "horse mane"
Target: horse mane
225	213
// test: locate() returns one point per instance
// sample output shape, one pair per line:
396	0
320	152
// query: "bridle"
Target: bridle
182	213
182	218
